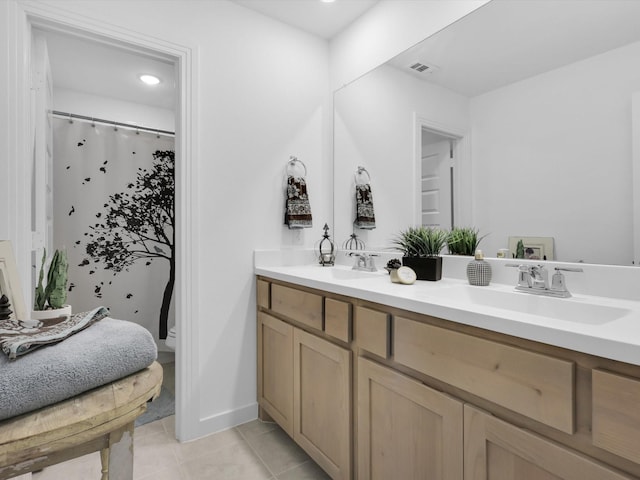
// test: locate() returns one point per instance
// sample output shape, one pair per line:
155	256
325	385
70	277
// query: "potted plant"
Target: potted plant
421	247
463	241
50	300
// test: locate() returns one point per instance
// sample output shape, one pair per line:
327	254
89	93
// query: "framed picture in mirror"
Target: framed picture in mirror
535	248
10	282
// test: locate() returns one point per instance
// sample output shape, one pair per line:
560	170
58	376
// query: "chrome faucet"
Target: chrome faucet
364	261
535	279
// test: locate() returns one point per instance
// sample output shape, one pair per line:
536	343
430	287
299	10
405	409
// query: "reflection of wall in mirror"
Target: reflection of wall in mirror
374	126
560	144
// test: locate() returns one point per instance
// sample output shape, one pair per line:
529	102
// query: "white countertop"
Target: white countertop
616	335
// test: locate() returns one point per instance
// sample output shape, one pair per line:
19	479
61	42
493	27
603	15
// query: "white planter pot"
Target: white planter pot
44	315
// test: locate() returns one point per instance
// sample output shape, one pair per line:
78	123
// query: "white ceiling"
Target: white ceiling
92	67
95	68
323	19
506	41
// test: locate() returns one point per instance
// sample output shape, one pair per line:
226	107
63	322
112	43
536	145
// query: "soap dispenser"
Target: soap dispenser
479	271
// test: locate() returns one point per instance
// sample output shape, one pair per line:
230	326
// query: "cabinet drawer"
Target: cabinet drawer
616	414
262	293
532	384
337	319
303	307
372	331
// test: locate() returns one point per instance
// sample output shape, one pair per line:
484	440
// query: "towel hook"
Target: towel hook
291	163
360	171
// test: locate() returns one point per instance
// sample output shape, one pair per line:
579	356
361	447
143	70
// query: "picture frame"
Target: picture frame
10	281
536	248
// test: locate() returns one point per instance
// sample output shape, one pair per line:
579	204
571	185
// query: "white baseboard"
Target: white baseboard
226	420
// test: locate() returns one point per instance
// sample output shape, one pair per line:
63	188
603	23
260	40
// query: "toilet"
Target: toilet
170	341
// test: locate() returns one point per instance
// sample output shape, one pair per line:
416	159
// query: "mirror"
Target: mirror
516	120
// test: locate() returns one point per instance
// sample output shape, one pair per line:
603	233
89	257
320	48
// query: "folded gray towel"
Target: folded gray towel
109	350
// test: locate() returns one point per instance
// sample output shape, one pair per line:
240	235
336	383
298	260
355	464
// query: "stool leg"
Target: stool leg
117	458
104	460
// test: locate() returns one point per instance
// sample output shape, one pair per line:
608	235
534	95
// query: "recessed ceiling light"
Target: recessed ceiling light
149	79
327	1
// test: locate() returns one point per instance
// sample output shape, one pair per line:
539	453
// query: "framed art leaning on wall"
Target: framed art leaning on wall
10	282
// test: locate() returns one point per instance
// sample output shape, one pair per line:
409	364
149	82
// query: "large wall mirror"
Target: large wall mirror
516	120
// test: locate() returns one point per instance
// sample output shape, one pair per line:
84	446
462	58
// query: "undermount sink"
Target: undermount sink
567	309
347	273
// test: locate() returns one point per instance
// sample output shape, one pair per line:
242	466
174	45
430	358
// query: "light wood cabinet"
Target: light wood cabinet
538	386
304	381
275	376
406	430
616	414
322	402
497	450
373	392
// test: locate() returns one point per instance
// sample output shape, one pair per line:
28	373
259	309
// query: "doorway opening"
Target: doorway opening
437	179
442	174
179	60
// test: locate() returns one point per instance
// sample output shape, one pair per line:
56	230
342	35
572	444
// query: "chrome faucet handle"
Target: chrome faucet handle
540	276
525	279
557	281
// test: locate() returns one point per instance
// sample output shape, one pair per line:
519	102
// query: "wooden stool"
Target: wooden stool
100	419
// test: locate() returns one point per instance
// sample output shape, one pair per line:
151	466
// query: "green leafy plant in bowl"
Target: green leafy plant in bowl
463	241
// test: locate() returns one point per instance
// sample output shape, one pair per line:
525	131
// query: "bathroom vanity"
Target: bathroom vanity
376	380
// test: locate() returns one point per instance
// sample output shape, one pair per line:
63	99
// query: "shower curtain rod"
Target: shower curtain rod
111	122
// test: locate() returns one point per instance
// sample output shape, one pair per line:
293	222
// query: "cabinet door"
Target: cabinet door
275	370
406	430
322	402
497	450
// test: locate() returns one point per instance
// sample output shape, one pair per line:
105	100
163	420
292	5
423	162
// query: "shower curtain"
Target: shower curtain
113	211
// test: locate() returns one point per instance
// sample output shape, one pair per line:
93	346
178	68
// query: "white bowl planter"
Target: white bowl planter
51	313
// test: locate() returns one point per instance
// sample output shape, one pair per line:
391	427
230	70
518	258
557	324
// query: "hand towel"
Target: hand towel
365	218
298	209
18	338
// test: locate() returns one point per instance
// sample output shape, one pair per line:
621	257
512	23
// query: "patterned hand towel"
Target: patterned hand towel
365	218
19	338
298	209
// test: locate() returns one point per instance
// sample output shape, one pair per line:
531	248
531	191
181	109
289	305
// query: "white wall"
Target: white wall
388	28
564	138
374	128
69	101
261	94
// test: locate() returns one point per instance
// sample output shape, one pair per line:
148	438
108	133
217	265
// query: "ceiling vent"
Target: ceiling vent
423	68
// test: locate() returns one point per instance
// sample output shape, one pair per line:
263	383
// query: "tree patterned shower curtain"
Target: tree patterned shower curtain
114	214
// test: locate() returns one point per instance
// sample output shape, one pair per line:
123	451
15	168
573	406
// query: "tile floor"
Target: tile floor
253	451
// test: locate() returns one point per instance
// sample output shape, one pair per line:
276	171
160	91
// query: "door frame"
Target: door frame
462	175
22	16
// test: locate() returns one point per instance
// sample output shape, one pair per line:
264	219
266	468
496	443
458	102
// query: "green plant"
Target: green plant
421	241
463	241
54	295
520	249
